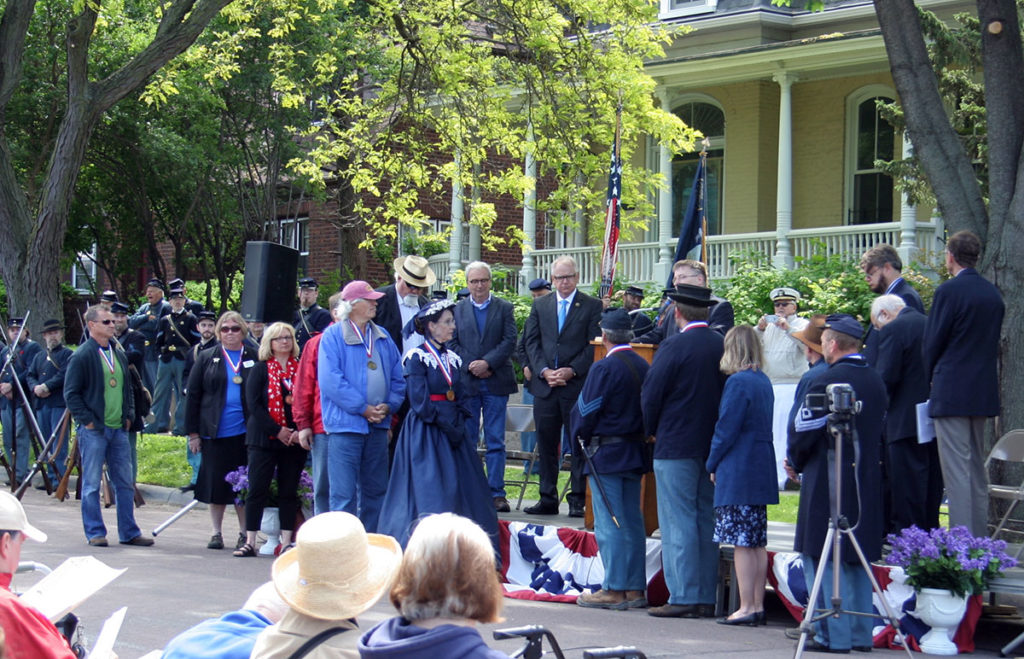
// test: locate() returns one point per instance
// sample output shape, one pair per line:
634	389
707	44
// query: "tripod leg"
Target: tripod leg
812	597
890	614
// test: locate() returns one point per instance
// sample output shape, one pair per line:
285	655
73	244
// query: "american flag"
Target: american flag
611	217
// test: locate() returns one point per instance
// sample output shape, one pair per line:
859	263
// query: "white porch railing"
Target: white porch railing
637	261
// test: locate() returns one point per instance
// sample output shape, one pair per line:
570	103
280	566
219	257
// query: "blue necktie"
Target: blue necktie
563	308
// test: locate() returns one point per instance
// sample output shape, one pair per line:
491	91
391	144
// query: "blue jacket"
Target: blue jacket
85	381
342	367
609	404
399	638
681	394
231	636
742	455
49	368
24	355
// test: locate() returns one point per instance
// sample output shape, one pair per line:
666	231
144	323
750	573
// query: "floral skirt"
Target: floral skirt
742	525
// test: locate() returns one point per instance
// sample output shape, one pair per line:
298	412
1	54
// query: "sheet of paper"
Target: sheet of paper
103	648
73	582
925	424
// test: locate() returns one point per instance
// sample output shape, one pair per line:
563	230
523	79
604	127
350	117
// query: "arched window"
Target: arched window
869	192
710	120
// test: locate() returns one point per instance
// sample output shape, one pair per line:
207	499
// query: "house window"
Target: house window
431	237
295	234
710	120
83	272
674	8
870	138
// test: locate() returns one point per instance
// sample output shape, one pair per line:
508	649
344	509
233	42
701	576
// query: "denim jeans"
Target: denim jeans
686	514
855	589
321	477
622	549
108	445
49	419
493	408
169	380
149	368
15	419
357	467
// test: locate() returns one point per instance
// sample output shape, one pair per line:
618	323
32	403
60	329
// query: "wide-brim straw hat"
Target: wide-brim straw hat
415	270
337	570
810	336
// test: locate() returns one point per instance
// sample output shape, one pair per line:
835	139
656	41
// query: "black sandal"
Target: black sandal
245	551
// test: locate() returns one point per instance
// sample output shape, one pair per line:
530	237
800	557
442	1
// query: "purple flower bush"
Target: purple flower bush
239	481
948	559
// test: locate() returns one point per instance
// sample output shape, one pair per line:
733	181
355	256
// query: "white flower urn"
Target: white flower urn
941	610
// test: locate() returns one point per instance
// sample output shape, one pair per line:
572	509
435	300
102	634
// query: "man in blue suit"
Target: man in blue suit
680	398
883	270
961	346
485	336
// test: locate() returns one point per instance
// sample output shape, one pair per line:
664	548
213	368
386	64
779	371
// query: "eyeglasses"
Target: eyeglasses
103	322
564	277
230	328
477	282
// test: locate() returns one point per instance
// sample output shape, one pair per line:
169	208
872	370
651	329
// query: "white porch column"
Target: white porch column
474	228
783	258
458	214
528	272
908	216
665	251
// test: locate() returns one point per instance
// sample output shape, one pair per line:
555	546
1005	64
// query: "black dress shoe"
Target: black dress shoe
187	488
541	509
743	621
674	611
814	646
575	511
706	610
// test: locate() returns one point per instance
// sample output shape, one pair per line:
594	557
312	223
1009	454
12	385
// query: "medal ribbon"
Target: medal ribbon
109	361
367	342
234	367
445	370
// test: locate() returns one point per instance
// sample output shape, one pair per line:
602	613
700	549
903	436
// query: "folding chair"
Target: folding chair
519	418
1009	448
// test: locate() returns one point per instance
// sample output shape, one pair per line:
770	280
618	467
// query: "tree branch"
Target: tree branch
13	28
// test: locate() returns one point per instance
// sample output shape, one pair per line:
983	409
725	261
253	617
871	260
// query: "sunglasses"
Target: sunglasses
231	328
103	322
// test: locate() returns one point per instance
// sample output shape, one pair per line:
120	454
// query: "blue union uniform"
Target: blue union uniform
608	418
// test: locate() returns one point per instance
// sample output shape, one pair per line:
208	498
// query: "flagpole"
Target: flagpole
611	218
702	195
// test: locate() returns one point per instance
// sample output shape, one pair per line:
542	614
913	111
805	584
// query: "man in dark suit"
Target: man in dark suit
883	269
558	334
310	318
913	472
692	273
485	336
404	298
809	447
961	347
680	400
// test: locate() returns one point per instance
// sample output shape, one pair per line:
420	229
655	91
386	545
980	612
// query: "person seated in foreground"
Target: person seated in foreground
446	585
27	631
335	572
233	635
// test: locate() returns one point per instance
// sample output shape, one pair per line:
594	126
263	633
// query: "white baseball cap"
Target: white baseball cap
12	518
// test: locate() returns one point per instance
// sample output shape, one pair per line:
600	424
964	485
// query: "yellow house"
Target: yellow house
787	100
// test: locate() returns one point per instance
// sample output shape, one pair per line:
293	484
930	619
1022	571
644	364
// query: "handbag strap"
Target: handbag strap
309	645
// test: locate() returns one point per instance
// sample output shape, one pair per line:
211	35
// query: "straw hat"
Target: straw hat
415	270
337	570
810	336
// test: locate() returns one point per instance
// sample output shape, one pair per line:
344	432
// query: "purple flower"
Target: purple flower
950	559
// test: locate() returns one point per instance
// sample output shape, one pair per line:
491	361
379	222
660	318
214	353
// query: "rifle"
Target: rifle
42	460
61	492
14	377
106	490
7	467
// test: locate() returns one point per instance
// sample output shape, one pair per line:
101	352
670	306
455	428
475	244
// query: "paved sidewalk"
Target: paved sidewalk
178	582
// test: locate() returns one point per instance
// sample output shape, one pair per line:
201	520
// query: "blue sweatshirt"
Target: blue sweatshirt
397	638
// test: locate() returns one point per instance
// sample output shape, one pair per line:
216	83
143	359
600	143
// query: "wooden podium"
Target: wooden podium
648	489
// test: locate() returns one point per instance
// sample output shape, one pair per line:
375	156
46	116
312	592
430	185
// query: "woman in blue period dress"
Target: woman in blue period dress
436	468
742	467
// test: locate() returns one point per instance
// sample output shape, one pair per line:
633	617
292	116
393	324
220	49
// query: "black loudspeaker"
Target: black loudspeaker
268	294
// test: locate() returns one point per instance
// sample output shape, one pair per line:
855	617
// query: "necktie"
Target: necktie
563	308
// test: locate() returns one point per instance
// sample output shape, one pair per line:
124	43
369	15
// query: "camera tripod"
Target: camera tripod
840	426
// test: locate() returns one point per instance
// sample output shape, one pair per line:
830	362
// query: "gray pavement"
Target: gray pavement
178	582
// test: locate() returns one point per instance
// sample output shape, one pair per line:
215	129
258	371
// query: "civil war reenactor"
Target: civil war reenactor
17	443
614	439
207	339
176	336
310	318
191	306
146	321
632	300
134	345
46	383
107	298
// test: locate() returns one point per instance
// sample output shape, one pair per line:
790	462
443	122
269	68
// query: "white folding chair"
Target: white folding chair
1009	448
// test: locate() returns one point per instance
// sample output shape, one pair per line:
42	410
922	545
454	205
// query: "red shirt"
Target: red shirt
306	404
29	635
